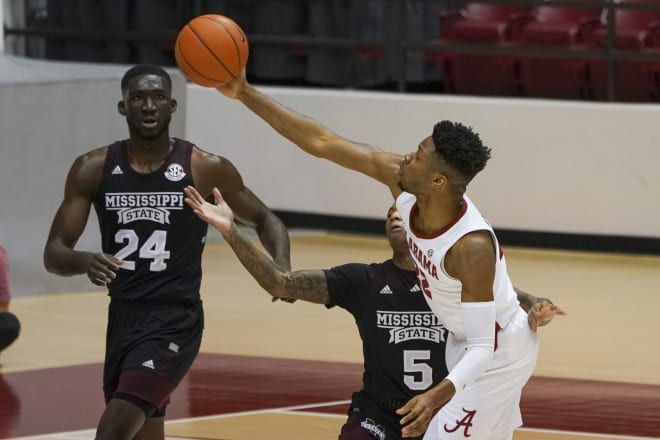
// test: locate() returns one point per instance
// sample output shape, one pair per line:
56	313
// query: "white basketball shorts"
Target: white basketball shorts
489	409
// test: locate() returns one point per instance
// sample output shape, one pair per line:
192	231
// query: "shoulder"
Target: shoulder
474	244
90	164
475	249
86	173
210	170
201	159
353	272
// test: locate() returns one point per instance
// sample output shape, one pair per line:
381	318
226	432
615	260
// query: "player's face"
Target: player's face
418	168
396	235
148	106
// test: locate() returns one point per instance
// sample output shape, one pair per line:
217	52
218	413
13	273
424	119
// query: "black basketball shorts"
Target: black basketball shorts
149	348
371	420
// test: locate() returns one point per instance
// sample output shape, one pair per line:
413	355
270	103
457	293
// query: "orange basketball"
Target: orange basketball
211	50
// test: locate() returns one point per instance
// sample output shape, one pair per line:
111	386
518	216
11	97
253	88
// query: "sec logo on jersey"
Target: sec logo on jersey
175	172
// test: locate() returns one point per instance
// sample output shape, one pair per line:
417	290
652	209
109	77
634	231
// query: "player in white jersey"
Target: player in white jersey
460	264
485	409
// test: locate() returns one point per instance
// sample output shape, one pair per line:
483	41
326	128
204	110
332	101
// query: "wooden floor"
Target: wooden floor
606	349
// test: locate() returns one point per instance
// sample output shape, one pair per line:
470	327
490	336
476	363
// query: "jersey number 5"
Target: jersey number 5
152	249
416	361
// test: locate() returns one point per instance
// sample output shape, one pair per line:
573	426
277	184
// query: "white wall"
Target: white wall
556	166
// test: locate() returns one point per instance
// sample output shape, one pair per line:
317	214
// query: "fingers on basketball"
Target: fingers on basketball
211	50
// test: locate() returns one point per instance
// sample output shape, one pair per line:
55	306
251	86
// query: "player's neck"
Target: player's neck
146	156
403	261
434	214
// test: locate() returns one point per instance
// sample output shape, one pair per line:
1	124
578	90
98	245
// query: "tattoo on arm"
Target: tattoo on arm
526	300
306	285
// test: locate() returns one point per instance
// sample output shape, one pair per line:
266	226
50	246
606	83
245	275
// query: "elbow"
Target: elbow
274	282
50	263
280	292
275	290
319	145
50	267
280	286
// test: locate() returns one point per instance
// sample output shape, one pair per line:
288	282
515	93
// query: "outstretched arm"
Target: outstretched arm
306	285
315	139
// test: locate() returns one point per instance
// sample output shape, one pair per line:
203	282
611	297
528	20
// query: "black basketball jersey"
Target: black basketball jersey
145	223
403	342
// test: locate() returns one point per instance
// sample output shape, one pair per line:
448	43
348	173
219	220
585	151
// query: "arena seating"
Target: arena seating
485	75
636	81
566	27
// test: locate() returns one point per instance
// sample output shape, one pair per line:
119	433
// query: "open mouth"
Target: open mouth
149	122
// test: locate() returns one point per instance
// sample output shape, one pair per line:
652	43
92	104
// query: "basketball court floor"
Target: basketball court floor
286	371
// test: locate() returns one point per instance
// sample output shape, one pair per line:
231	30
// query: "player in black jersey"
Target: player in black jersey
152	245
403	342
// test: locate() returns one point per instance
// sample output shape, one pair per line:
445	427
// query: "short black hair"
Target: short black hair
145	69
460	147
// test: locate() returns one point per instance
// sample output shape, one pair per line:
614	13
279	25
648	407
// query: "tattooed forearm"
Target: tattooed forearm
262	268
309	285
527	300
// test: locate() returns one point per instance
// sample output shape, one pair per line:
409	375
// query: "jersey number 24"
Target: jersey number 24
152	249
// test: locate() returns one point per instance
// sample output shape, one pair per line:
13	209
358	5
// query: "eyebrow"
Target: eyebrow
133	92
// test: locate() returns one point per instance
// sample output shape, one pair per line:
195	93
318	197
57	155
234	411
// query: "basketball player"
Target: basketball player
491	351
10	326
152	245
403	342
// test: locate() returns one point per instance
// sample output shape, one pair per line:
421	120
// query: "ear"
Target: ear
174	105
440	180
121	108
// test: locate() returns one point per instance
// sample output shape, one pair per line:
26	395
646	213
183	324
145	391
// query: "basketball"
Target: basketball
211	50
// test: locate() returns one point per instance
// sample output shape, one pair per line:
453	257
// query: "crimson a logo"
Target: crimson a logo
465	423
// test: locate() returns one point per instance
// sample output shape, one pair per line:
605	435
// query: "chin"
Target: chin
149	135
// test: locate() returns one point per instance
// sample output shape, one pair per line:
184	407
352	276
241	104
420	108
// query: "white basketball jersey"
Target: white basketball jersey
442	292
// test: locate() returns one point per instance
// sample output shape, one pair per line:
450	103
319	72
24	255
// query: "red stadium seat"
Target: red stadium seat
636	81
571	28
487	75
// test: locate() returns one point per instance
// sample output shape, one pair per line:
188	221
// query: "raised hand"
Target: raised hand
233	88
218	215
541	313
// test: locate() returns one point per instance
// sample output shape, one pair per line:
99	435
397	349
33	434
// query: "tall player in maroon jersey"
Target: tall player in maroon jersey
403	342
152	246
491	351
